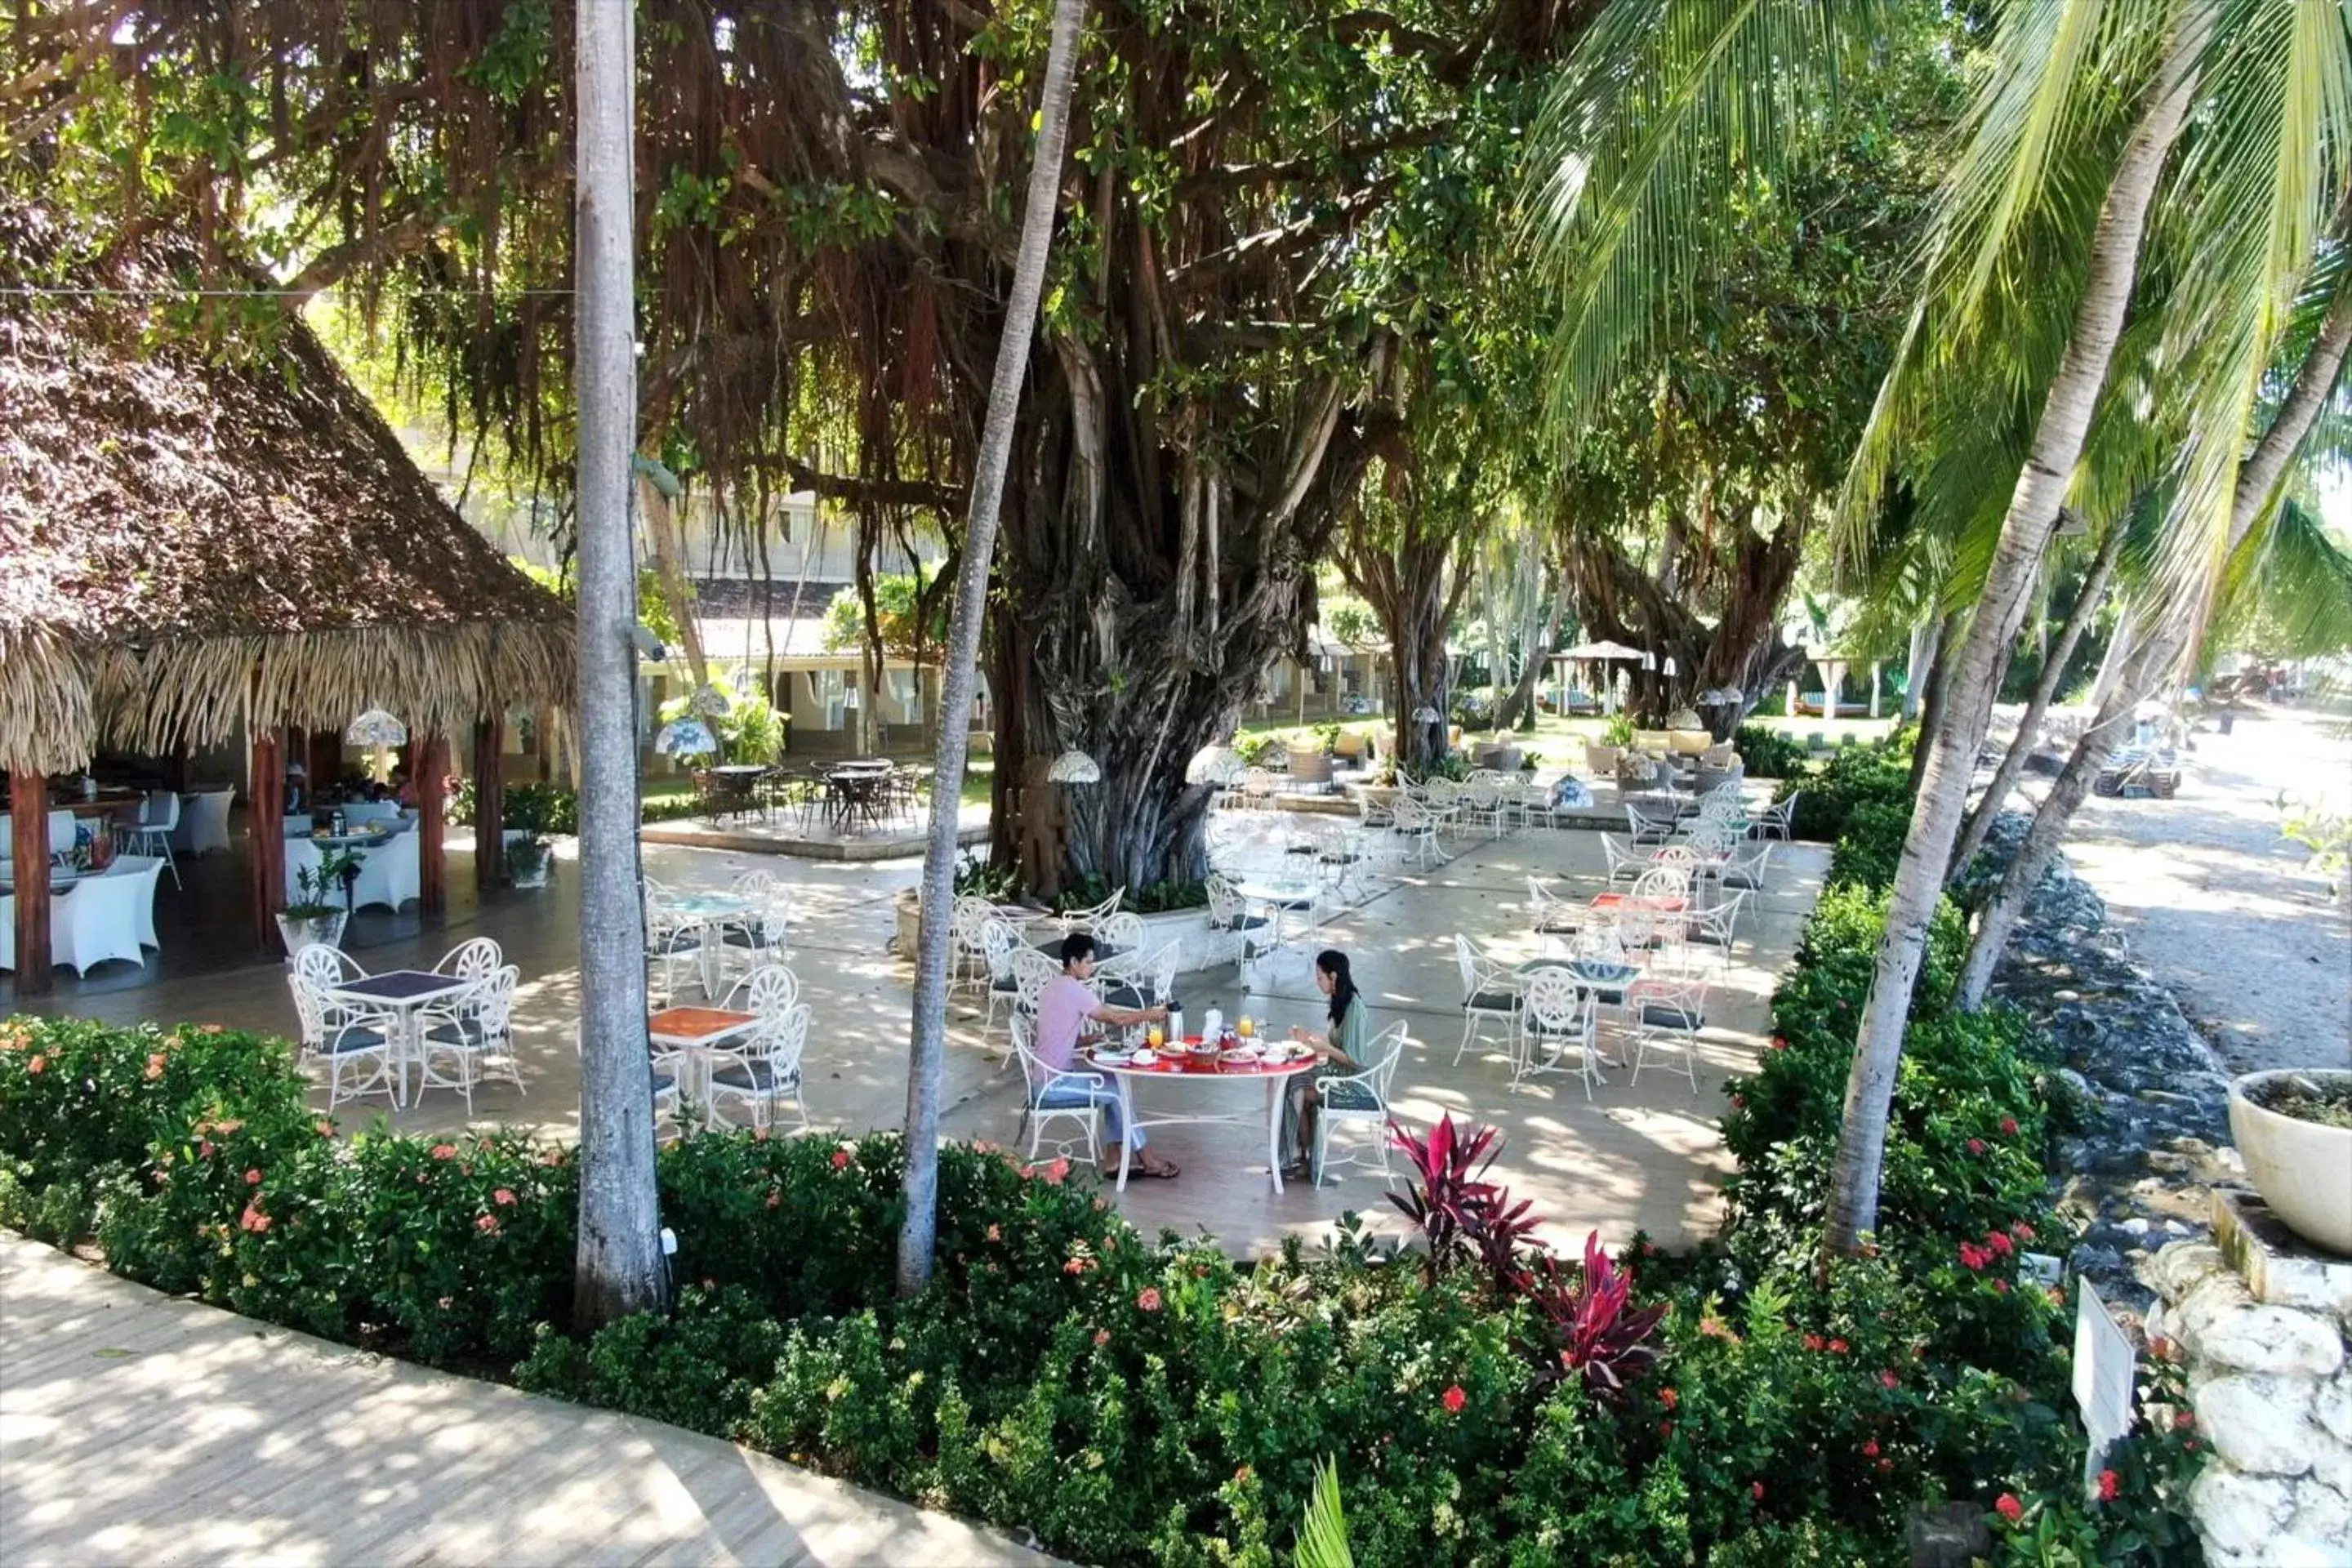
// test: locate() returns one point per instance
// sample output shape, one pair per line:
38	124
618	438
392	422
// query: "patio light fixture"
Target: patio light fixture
1074	766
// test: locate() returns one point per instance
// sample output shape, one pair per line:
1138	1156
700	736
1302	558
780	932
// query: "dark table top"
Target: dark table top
403	985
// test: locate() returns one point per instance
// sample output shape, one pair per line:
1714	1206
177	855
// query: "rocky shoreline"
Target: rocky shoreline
2148	1097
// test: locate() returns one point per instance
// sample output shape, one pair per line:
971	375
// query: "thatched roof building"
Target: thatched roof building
206	531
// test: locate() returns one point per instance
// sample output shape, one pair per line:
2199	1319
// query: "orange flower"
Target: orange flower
37	1064
995	1233
154	1068
1669	1398
445	1151
502	1197
326	1129
253	1219
1102	1338
1149	1298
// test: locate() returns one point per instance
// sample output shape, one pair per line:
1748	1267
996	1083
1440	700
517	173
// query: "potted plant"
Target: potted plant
528	859
2294	1127
310	918
1600	757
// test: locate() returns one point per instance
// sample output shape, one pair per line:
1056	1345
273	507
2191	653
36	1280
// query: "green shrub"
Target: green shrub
1765	754
1853	776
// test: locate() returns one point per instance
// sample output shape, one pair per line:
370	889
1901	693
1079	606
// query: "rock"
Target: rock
2180	1268
2331	1467
2278	1266
2219	1321
1952	1536
2332	1408
2258	1424
2239	1515
2319	1533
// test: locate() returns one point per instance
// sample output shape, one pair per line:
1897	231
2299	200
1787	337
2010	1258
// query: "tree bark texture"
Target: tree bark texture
1943	644
619	1267
1414	584
918	1234
2137	673
29	831
1959	731
489	803
2045	687
1742	647
1532	666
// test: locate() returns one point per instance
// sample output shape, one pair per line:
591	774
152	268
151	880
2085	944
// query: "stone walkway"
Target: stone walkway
137	1429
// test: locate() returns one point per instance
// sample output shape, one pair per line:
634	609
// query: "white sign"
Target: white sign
2104	1368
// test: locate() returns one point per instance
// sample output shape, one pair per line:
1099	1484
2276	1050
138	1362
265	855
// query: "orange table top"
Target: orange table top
692	1025
1613	901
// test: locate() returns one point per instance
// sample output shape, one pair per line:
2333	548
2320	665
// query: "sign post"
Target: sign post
2105	1365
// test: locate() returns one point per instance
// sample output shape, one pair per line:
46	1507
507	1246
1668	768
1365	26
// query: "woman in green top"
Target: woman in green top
1341	1046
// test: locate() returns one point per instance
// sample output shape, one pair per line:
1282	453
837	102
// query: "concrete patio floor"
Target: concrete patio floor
1645	1156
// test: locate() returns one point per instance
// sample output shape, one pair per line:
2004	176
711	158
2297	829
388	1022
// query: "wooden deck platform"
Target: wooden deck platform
138	1428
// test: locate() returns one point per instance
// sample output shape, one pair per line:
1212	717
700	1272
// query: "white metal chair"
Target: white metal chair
764	993
204	821
669	945
1777	820
1713	929
1362	1099
1087	920
346	1036
1553	914
1562	1013
475	958
1482	802
1001	946
1339	859
1650	826
1488	993
1667	1016
475	1032
65	833
1744	871
1121	930
1416	825
764	1070
1230	917
1041	1080
967	929
159	819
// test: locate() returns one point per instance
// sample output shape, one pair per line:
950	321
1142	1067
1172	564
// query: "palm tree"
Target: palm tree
619	1269
2024	298
926	1066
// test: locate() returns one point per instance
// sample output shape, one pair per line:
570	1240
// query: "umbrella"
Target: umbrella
710	702
1074	766
1601	650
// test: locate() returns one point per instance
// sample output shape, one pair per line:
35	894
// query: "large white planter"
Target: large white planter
2302	1170
325	930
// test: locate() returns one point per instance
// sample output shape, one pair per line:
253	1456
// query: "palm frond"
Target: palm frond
2288	592
1667	107
1323	1531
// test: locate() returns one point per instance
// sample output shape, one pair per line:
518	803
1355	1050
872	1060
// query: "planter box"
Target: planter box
1601	762
326	930
513	835
2302	1169
1309	767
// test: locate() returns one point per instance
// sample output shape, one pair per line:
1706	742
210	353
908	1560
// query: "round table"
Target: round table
1196	1069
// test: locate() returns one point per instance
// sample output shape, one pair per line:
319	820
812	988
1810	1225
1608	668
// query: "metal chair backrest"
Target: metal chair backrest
1031	973
326	967
1387	1051
1466	958
767	991
491	1002
999	942
782	1039
1121	930
471	959
1663	882
1226	905
1555	1003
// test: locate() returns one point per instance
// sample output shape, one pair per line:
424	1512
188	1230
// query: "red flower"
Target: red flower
1974	1256
1454	1399
1666	1428
2000	1286
1738	1103
1778	1044
2109	1485
1886	1466
326	1129
253	1178
502	1197
1976	1145
2183	1419
2009	1126
1669	1398
204	1147
840	1159
1242	1474
2022	1231
2009	1508
1149	1298
445	1151
1888	1378
1102	1338
1756	1490
1998	1243
1814	1341
775	1197
1837	1347
487	1225
253	1219
1075	1266
1870	1449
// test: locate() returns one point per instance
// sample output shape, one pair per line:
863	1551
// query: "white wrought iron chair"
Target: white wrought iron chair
159	820
670	944
1650	825
764	993
1744	871
1340	858
1560	1012
1712	930
1230	917
474	1031
1360	1099
1489	992
475	958
1777	820
347	1036
1039	1081
1417	825
763	1070
1668	1013
1000	945
1625	864
1553	914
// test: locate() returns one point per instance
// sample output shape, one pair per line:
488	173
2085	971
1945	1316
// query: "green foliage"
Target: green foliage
1878	774
653	607
750	730
1768	753
1618	730
907	632
1323	1532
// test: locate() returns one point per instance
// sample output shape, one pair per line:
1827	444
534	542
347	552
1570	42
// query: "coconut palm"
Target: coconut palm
2208	136
926	1066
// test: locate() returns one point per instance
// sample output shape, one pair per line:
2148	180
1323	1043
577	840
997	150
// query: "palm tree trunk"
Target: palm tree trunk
927	1067
1943	649
1926	637
1959	731
2258	479
619	1267
1531	668
2028	726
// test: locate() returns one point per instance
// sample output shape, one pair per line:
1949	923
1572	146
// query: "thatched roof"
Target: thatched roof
200	530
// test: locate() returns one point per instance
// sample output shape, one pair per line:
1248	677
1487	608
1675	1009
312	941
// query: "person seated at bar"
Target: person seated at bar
1064	1010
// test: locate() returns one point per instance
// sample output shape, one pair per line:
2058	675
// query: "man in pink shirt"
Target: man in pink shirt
1065	1009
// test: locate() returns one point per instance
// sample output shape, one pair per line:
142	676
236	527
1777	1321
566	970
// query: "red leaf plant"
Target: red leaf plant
1597	1336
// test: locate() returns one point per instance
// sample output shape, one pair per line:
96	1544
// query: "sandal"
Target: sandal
1163	1172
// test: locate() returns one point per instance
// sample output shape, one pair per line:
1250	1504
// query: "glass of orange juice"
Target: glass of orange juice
1244	1027
1154	1037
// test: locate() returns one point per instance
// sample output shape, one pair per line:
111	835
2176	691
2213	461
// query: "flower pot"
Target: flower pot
1309	766
300	931
2302	1169
1600	761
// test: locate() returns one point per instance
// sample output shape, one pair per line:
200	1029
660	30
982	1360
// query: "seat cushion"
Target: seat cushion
663	1084
1349	1096
1493	1002
758	940
353	1040
1666	1016
676	941
1244	923
758	1075
1559	925
467	1032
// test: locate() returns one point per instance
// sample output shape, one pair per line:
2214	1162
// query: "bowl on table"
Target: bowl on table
1605	974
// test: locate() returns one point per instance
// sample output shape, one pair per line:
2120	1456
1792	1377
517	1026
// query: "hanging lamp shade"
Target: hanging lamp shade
688	737
376	728
1426	715
710	702
1074	766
